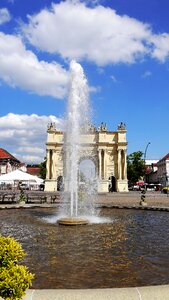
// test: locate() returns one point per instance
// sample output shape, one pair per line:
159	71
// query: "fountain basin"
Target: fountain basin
129	251
72	221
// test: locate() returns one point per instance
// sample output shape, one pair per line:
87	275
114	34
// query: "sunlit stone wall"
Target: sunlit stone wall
107	149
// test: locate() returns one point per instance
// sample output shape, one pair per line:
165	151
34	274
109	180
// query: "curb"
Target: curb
135	293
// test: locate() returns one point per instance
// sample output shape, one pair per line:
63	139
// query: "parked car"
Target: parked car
165	190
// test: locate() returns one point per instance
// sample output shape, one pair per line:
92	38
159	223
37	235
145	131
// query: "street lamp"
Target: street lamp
143	192
145	153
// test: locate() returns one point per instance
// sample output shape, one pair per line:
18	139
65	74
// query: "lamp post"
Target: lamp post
145	153
143	192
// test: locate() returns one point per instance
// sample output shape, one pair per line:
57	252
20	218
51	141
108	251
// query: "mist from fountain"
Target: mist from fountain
77	116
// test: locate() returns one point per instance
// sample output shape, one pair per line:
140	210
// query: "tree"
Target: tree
14	278
135	166
42	167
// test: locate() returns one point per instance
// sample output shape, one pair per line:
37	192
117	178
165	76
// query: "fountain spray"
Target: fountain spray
77	115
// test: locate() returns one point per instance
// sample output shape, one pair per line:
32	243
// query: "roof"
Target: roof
165	157
6	155
33	170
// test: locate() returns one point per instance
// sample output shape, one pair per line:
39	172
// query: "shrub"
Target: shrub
14	279
22	196
10	251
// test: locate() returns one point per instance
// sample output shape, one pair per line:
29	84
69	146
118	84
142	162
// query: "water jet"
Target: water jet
77	117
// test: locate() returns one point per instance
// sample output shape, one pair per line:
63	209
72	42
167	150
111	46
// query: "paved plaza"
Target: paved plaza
133	199
130	199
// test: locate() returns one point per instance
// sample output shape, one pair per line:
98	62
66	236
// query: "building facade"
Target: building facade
8	162
151	171
163	170
106	149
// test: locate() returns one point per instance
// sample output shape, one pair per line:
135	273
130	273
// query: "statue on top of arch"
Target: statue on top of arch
122	126
102	127
51	126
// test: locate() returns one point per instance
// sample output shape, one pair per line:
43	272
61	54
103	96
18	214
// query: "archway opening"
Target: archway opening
60	183
113	184
87	175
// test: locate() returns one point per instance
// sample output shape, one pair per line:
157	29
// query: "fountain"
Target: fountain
129	250
77	116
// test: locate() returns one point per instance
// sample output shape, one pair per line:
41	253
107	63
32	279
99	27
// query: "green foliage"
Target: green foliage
42	167
22	196
135	166
14	279
10	251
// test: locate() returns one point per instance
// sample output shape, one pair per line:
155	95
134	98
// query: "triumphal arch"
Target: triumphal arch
107	150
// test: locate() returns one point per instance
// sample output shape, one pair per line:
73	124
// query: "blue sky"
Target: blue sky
123	47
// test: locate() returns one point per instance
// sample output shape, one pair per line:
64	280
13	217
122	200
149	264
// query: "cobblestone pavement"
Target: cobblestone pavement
133	199
153	199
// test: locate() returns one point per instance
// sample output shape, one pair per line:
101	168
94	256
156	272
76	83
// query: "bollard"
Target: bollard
143	198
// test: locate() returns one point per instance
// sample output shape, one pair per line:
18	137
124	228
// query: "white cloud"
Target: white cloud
94	89
100	71
114	78
20	67
30	159
98	34
146	74
4	15
161	46
25	135
30	150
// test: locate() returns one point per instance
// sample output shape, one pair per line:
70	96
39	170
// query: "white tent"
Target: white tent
19	175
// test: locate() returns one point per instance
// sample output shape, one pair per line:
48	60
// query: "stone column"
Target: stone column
100	164
119	164
51	164
54	159
105	164
125	165
47	164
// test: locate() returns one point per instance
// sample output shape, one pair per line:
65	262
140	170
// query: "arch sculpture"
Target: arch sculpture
107	149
